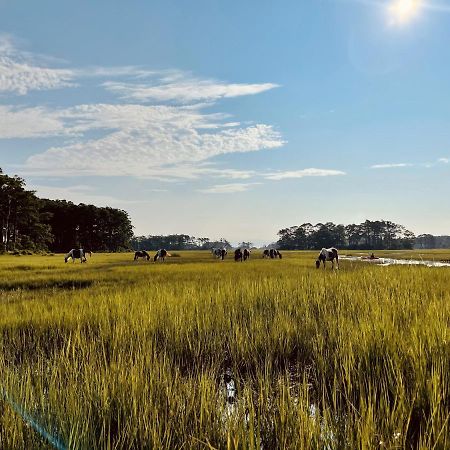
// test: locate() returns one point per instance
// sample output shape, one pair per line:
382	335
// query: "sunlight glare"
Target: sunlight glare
403	11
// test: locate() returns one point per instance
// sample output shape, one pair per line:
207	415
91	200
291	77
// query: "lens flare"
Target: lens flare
401	12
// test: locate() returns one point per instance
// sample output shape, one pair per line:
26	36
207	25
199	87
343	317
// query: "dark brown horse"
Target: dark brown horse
238	255
141	254
246	254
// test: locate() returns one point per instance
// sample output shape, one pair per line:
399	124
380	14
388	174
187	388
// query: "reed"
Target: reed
121	354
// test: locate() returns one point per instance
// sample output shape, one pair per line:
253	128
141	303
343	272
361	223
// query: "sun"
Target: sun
403	11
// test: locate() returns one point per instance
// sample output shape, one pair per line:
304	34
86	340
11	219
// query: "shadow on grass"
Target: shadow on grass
35	285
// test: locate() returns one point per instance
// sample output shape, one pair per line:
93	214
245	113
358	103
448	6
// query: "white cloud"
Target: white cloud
185	90
165	141
228	188
311	172
144	141
19	74
135	72
16	122
444	160
390	166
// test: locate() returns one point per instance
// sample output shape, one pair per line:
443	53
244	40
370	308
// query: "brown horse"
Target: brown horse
141	254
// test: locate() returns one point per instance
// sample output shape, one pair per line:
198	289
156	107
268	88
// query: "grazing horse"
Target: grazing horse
76	253
238	255
161	254
328	254
246	254
219	252
141	254
272	253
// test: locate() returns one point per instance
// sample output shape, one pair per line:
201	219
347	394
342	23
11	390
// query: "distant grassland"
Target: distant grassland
122	354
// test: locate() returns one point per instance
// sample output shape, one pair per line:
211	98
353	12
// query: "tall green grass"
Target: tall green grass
118	354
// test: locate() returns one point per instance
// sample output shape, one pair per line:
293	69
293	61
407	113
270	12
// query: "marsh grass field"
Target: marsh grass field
119	354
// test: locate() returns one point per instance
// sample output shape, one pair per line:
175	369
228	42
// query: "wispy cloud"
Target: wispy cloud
19	122
311	172
19	74
428	165
391	166
171	138
148	141
185	90
133	72
231	188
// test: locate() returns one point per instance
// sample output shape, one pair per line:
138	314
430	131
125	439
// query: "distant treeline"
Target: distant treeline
430	241
31	223
378	234
176	242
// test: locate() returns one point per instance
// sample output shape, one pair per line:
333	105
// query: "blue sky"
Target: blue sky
232	119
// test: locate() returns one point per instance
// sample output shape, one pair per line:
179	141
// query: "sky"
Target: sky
231	119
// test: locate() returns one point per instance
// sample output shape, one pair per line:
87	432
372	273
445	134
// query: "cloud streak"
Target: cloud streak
230	188
311	172
391	166
185	90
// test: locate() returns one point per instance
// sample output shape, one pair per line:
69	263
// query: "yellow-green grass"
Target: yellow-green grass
122	354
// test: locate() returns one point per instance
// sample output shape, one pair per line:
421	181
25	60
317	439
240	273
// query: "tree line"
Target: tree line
430	241
378	234
177	242
31	223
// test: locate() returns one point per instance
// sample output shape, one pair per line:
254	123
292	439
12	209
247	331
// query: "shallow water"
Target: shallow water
393	261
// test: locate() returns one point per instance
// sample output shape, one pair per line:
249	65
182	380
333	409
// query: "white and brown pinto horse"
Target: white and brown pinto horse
272	253
328	254
161	255
219	252
77	253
